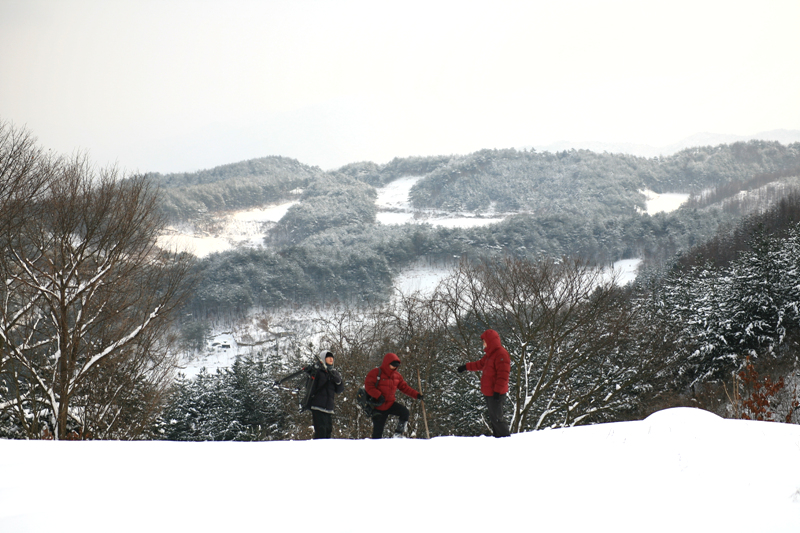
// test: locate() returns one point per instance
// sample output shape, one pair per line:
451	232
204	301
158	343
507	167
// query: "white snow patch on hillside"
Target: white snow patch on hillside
394	207
260	330
272	213
680	469
462	221
198	245
394	195
625	271
666	203
241	228
390	218
420	279
221	352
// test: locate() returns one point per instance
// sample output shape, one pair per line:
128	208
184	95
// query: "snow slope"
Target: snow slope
394	207
240	228
679	470
666	203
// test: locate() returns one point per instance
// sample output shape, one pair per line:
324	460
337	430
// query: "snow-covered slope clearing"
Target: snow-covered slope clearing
239	228
394	207
679	470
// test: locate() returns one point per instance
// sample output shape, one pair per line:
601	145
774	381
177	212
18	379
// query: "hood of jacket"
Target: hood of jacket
322	355
492	339
388	359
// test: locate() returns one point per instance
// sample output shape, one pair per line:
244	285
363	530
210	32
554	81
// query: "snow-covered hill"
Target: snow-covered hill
678	470
247	228
643	150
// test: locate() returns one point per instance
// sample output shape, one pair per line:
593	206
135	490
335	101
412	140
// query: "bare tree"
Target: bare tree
88	301
571	333
25	171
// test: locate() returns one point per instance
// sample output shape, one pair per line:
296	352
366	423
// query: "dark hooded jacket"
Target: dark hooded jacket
390	381
327	383
495	365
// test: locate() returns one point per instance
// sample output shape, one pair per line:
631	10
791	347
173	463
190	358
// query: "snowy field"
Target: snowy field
394	207
663	203
679	470
242	228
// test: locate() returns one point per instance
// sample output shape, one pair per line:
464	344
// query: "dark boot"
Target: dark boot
400	429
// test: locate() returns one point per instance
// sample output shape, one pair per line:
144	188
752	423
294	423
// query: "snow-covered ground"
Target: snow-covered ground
678	470
242	228
394	207
221	352
666	203
624	271
420	278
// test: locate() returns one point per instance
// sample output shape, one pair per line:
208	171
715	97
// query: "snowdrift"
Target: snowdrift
679	470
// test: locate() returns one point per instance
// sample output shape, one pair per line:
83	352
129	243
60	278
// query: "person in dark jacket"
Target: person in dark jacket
382	385
496	367
327	383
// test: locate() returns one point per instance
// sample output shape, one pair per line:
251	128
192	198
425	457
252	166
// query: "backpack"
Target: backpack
307	388
367	402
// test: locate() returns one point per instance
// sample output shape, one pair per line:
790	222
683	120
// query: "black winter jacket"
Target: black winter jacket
327	383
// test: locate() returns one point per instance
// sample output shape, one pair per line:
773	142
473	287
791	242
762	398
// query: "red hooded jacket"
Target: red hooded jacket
390	381
496	365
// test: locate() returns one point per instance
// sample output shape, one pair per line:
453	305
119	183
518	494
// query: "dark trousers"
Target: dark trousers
379	420
323	424
496	419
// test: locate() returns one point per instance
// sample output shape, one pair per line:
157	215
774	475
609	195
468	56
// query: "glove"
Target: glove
380	400
419	397
462	368
496	395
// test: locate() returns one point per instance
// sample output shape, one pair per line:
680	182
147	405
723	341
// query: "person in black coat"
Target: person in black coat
327	384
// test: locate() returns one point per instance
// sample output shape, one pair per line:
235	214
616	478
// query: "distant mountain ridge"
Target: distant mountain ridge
782	136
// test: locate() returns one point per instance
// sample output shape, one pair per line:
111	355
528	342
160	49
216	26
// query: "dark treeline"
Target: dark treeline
236	186
731	188
732	307
580	181
734	239
574	181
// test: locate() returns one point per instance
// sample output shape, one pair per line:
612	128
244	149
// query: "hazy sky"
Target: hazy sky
182	85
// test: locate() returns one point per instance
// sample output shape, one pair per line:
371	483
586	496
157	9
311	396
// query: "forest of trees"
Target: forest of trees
94	313
574	203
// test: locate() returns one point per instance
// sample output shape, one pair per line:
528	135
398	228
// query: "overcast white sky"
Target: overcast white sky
180	85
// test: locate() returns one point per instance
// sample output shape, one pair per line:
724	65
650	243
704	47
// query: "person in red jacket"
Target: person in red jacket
496	367
382	384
